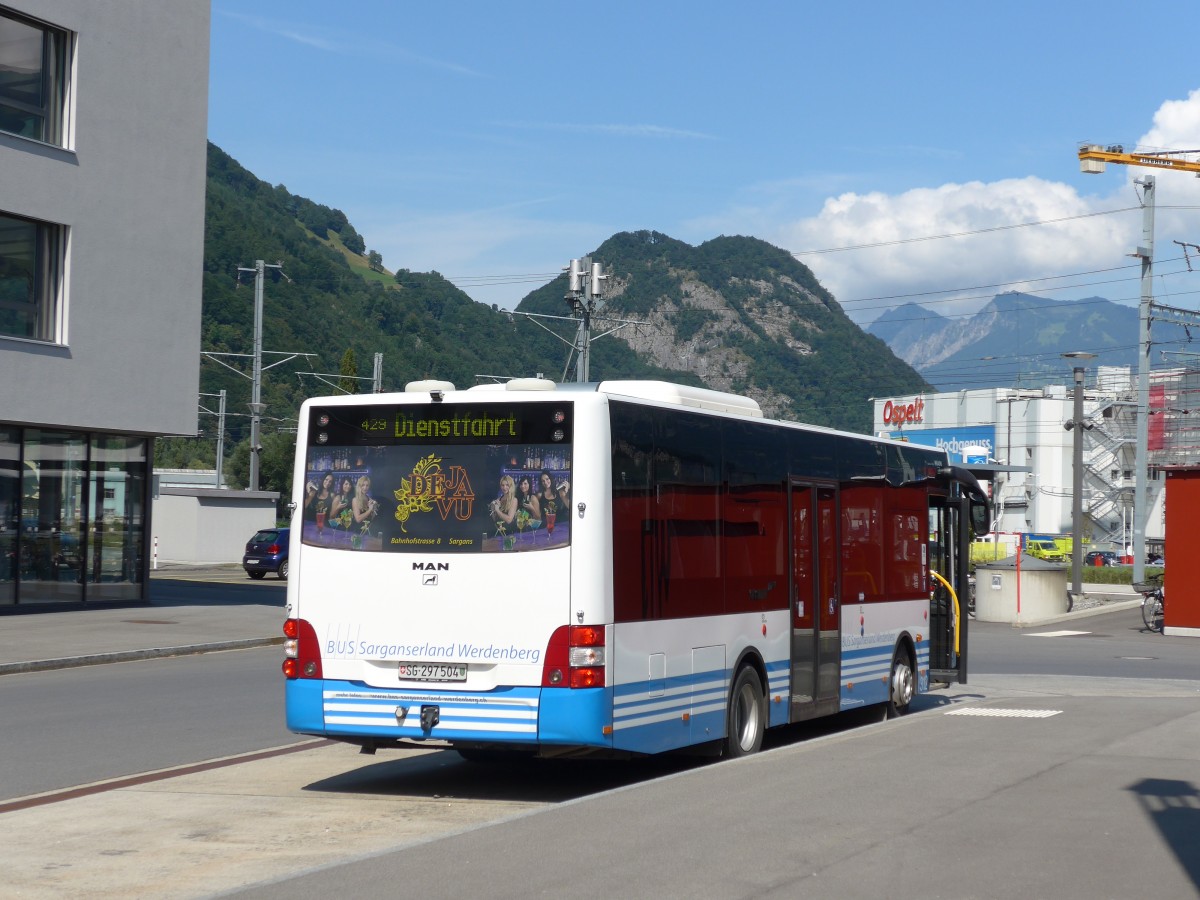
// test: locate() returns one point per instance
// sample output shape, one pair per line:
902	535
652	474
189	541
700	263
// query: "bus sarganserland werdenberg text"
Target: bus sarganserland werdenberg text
616	568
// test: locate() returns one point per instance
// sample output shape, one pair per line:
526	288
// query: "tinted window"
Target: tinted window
451	478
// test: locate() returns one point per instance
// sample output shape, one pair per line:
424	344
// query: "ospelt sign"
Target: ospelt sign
900	413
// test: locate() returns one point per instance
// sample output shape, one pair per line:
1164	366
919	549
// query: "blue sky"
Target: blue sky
493	142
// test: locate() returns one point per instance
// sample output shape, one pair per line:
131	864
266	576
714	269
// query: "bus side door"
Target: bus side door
816	632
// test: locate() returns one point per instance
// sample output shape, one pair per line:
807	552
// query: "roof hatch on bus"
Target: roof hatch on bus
683	395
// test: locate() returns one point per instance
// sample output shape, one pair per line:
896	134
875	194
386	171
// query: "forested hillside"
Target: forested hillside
734	314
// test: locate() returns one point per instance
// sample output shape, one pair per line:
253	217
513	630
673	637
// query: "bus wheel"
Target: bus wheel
901	686
747	717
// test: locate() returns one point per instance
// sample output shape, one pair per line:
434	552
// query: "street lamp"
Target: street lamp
1077	425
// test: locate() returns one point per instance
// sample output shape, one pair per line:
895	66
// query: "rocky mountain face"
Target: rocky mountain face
1016	340
738	314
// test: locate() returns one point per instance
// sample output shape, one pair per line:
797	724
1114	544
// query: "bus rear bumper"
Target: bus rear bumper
519	715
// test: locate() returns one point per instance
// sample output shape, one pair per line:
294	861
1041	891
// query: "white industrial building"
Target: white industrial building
1021	437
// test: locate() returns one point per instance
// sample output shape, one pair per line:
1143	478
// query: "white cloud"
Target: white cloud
990	242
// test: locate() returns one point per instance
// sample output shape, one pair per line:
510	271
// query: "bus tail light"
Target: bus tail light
575	657
301	649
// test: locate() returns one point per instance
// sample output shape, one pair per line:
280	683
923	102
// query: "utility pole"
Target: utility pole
221	439
1145	252
256	405
584	290
1077	426
377	375
220	432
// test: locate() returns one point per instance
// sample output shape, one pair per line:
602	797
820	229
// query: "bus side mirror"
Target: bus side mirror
980	517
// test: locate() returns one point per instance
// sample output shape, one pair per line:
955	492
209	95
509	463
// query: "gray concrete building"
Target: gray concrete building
103	128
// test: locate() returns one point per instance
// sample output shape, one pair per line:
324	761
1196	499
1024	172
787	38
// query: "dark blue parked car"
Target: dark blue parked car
267	552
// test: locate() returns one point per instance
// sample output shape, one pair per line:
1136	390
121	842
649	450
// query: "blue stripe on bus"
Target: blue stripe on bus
685	709
559	716
509	715
866	671
779	680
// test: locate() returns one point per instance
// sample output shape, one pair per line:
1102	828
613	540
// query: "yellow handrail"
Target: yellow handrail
954	597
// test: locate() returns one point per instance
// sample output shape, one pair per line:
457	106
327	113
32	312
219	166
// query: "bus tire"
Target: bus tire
746	717
901	683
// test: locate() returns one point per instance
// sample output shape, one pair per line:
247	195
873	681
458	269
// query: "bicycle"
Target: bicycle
1153	601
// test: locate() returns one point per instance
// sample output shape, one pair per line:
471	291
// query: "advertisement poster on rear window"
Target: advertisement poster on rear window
443	498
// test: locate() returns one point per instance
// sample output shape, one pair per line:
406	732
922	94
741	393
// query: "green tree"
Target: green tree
349	372
184	453
276	462
375	261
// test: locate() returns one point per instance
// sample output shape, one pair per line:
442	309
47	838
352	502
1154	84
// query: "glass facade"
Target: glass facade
73	516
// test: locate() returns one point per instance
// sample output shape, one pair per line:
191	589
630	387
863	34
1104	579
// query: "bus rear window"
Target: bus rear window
446	478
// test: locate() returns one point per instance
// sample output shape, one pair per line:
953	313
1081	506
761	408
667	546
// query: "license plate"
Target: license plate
418	671
252	562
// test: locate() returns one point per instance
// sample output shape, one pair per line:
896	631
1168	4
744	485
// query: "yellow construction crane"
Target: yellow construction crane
1094	157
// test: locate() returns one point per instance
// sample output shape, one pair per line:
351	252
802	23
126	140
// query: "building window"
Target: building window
30	278
33	78
73	510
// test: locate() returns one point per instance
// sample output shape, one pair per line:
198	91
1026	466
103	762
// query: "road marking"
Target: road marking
1006	713
1057	633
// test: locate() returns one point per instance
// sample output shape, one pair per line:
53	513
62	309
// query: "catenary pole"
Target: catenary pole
1145	251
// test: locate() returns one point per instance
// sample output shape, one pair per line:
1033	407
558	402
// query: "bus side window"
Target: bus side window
862	542
907	524
687	475
754	520
632	498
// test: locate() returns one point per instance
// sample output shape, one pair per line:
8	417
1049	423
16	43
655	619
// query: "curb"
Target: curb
71	662
1110	606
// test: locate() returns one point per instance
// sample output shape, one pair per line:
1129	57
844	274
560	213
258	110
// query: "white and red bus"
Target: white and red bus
622	567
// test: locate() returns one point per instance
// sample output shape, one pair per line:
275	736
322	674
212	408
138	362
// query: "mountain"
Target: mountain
733	314
1017	340
744	316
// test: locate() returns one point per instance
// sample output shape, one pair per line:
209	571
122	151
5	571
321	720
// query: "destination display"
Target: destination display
446	479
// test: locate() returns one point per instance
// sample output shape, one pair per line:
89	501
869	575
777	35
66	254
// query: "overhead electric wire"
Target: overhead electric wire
956	234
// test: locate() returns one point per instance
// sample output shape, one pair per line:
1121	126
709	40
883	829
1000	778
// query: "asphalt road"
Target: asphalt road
74	726
1058	793
1080	782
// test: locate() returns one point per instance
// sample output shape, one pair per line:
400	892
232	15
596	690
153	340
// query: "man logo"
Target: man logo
429	571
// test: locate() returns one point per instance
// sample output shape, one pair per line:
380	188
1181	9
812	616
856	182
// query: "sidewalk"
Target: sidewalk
192	609
201	609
